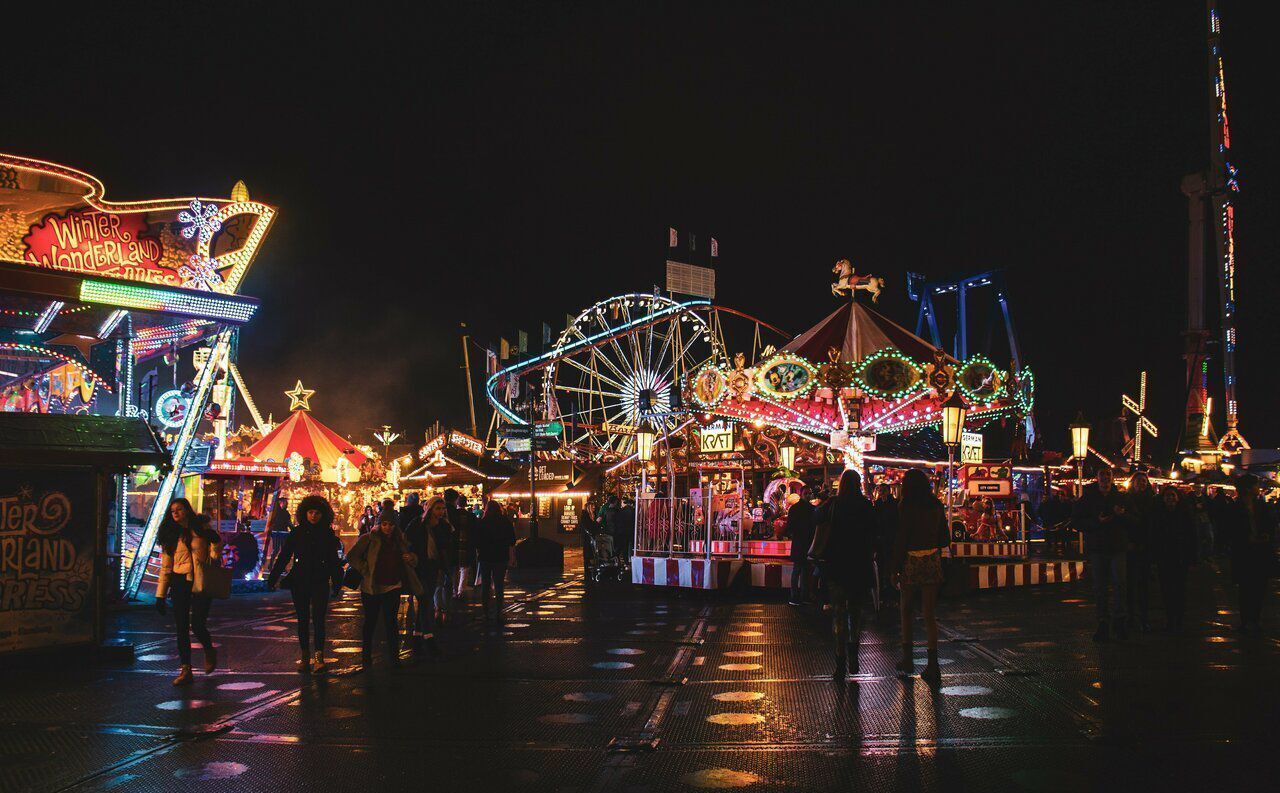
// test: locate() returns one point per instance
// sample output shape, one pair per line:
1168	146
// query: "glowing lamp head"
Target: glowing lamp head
1080	437
787	455
645	438
953	414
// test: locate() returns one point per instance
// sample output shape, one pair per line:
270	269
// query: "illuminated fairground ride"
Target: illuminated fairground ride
620	365
854	376
99	300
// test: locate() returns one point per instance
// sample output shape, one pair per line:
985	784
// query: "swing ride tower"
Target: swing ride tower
1211	210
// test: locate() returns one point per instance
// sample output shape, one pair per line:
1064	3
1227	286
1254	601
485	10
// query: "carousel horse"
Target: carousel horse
849	281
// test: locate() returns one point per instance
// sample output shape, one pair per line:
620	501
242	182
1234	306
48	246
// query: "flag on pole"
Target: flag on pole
546	336
673	239
522	342
490	361
693	242
504	349
715	248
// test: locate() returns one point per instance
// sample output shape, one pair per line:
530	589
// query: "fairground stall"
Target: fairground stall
99	302
454	460
562	489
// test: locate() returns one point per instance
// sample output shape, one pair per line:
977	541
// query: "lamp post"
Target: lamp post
1080	448
787	455
953	412
645	438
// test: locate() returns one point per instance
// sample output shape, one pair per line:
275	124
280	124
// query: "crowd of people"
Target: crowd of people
429	554
845	548
1129	534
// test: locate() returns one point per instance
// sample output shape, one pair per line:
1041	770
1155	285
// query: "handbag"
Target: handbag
215	580
352	578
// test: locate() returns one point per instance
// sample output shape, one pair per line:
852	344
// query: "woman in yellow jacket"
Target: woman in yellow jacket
187	546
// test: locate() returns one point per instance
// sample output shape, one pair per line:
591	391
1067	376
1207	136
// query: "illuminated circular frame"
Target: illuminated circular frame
785	359
971	395
890	354
721	386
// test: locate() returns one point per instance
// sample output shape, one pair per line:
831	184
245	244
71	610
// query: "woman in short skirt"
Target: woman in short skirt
917	564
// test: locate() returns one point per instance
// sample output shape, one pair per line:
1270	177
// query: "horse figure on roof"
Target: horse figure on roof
849	281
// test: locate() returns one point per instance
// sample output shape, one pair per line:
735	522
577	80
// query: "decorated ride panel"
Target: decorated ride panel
785	376
979	381
886	392
56	218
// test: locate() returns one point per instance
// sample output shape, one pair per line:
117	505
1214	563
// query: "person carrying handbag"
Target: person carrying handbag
843	545
313	548
191	571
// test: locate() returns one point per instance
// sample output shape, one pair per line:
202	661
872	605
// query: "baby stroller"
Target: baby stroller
600	561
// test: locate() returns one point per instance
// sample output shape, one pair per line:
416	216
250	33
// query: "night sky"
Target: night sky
503	165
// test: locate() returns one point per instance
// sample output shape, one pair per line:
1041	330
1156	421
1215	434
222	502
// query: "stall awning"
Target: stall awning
52	439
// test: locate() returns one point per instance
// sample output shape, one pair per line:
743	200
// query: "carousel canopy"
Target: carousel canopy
309	438
858	331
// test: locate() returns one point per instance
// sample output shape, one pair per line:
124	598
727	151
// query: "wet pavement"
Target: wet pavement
623	689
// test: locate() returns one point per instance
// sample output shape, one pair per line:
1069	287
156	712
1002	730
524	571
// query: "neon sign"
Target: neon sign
98	243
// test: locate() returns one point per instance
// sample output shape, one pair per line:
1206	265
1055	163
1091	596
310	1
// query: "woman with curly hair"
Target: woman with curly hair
312	547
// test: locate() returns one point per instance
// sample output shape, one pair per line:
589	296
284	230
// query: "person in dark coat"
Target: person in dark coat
886	509
429	537
799	530
1102	515
313	548
463	523
1143	506
917	565
1173	546
847	552
1250	536
494	536
624	529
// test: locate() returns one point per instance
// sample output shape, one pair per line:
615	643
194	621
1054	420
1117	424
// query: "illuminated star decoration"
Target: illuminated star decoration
200	220
200	273
300	397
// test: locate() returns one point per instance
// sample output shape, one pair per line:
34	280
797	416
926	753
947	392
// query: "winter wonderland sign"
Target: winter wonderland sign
55	218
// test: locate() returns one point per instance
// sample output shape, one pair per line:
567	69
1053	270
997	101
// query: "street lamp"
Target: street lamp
953	412
787	455
1080	448
645	438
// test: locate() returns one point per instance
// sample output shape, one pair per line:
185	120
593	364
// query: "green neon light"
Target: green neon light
151	298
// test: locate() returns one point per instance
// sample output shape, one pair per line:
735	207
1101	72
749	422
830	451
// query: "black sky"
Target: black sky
505	164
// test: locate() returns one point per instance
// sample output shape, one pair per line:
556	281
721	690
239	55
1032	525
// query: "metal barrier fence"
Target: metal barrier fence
667	527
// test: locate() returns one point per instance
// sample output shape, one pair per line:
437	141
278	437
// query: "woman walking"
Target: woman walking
386	567
187	546
917	565
317	570
428	536
494	537
844	544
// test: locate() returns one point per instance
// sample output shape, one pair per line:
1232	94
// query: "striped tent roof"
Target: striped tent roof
308	437
858	331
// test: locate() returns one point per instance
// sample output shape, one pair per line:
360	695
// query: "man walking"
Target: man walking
1101	515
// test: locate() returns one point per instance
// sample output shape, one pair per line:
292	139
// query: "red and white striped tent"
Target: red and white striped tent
312	440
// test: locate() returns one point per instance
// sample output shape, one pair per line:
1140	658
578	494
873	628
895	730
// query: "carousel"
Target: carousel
851	388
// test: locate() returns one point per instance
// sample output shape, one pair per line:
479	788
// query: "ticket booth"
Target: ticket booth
56	500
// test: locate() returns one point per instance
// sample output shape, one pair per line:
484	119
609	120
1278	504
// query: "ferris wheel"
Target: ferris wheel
622	363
